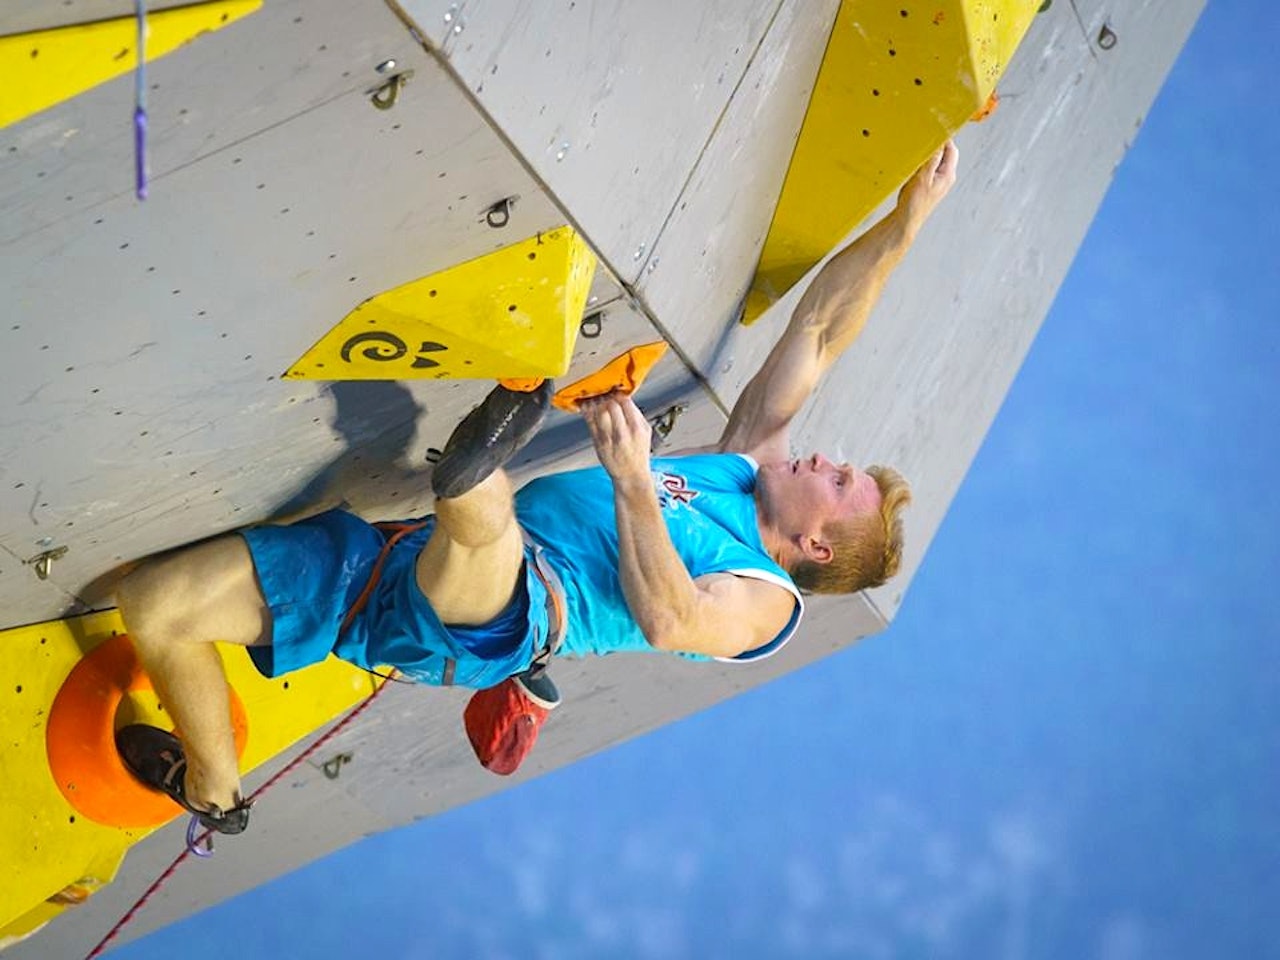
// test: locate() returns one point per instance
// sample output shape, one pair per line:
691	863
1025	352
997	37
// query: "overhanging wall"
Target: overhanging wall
919	390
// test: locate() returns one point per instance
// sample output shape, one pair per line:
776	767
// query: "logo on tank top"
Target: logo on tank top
673	490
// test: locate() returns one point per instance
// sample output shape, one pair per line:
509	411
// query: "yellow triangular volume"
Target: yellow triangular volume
45	67
511	313
897	79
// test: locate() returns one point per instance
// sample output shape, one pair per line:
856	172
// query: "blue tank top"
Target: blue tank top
709	507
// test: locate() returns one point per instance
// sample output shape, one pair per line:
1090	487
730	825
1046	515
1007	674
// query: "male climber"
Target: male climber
705	553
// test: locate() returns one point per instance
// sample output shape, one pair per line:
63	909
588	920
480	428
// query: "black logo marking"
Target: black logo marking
382	346
428	346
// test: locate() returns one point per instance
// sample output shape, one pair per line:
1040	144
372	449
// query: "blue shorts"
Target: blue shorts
311	573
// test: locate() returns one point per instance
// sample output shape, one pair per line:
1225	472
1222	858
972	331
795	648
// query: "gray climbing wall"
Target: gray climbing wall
142	344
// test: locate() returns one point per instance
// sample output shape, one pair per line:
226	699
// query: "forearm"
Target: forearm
661	595
831	314
837	304
827	320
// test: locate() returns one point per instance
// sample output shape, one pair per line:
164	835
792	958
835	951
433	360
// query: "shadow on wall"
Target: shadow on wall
372	475
378	476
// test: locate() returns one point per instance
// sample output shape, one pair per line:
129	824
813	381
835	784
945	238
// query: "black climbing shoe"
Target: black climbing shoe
155	758
538	687
488	437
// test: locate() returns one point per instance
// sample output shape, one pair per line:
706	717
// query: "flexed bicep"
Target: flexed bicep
732	615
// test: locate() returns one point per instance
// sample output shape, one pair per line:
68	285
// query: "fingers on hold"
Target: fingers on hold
943	158
950	156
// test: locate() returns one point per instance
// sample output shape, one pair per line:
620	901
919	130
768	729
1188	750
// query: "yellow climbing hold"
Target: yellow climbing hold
511	313
897	79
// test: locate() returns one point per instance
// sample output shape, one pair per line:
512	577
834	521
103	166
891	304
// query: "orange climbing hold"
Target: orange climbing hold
80	739
987	109
623	373
521	384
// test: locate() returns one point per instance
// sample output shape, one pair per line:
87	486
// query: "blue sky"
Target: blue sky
1086	769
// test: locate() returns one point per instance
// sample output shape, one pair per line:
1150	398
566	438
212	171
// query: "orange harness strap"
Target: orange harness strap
398	532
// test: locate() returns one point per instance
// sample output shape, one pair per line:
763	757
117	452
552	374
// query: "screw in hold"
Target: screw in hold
43	564
639	252
499	215
564	149
333	766
1106	37
592	324
385	67
663	424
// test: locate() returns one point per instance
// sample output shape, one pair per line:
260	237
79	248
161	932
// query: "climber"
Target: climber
707	553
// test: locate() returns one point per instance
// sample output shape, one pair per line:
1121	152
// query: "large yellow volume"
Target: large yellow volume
898	78
511	313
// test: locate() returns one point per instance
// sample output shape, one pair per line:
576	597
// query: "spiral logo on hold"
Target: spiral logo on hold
381	346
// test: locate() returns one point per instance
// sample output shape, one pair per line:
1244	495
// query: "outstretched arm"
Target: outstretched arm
830	316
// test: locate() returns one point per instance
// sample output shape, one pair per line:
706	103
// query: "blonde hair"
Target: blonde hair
867	549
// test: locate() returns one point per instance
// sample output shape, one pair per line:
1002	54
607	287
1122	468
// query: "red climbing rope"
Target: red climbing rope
169	871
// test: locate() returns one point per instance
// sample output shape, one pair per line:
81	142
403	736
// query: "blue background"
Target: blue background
1087	768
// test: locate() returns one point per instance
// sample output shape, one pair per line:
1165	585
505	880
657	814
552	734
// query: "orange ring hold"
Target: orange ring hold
80	739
